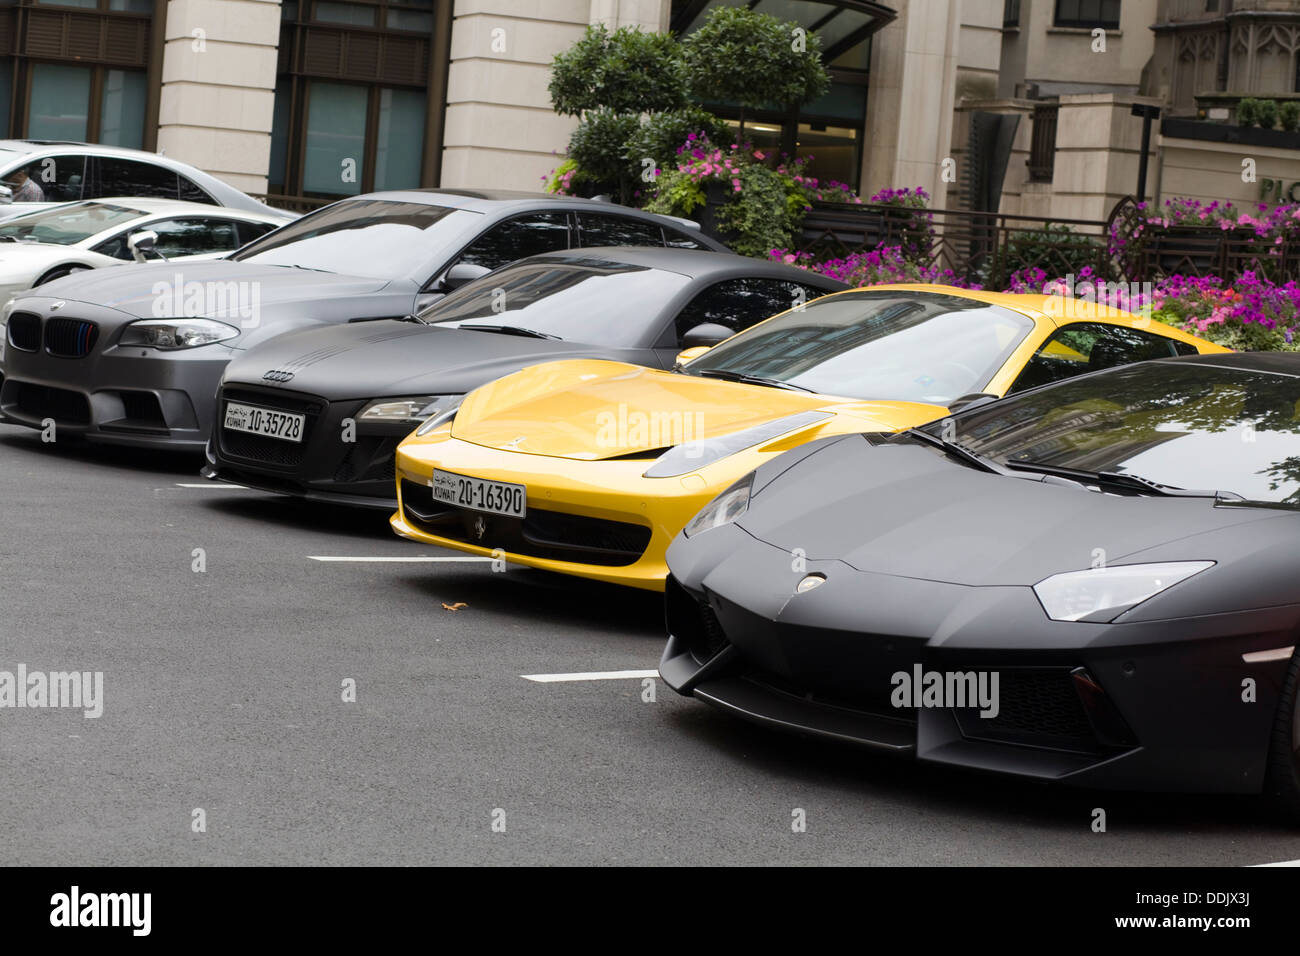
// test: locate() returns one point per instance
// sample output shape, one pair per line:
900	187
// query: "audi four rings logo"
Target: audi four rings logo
277	375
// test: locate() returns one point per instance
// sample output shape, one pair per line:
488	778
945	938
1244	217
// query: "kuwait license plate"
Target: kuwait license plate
264	421
478	494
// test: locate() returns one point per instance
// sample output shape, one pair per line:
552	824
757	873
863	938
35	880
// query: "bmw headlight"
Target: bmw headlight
441	418
1100	595
401	411
724	509
694	455
171	334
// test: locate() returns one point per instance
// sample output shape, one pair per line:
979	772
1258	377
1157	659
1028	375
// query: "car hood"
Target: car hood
170	288
385	358
592	410
909	510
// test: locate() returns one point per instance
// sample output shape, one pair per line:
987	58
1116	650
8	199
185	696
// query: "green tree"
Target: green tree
753	60
627	71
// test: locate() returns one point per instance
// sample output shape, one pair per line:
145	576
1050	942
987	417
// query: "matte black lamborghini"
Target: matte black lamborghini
1094	582
319	413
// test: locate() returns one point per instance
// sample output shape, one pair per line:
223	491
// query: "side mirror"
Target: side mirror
462	273
973	400
6	196
706	334
686	355
142	242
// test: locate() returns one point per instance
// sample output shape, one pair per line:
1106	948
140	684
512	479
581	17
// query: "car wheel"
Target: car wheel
1283	786
58	273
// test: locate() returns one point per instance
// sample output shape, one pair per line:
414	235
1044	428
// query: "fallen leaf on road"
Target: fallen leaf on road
453	607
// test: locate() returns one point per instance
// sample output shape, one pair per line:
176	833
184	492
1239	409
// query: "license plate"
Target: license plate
478	494
264	421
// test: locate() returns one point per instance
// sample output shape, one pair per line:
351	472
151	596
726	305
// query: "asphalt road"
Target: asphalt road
223	692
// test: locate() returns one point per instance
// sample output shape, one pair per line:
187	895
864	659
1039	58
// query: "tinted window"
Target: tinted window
680	240
607	303
517	238
904	346
191	192
248	231
1088	347
739	303
195	236
52	179
128	177
65	225
597	230
1180	425
364	237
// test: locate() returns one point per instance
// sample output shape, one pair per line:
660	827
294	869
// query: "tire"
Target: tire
1282	786
58	272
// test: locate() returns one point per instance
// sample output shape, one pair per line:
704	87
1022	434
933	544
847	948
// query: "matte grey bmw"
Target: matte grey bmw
133	354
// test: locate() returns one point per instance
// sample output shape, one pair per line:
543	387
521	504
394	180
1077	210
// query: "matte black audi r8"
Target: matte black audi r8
319	412
1095	582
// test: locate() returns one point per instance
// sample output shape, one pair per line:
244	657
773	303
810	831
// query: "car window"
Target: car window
680	240
1089	346
597	230
129	177
49	179
248	231
516	238
739	303
189	236
67	225
191	192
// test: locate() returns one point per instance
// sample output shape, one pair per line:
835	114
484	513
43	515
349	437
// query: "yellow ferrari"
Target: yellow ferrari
592	467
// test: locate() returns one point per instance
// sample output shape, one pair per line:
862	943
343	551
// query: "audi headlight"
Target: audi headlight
724	509
1100	595
407	410
171	334
440	418
694	455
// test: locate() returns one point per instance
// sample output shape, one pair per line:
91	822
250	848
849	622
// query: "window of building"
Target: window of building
399	144
336	140
121	110
1087	14
353	14
60	102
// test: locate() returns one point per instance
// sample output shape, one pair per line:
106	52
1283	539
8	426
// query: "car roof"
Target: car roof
695	263
151	205
1277	363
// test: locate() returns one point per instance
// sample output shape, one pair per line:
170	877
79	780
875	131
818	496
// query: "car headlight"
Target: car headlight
724	509
407	410
693	455
441	418
1100	595
172	334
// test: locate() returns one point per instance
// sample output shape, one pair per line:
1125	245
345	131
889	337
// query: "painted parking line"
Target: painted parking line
592	675
222	485
382	560
1284	863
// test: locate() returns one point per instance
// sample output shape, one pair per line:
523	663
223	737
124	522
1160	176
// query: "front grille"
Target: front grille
1037	706
261	449
25	331
554	535
693	621
70	338
41	401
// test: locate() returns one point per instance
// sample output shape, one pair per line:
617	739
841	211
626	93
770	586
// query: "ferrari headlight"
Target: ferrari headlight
1102	594
407	410
442	417
724	509
693	455
172	334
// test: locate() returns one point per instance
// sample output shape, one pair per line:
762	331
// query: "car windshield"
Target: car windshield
876	344
1181	426
608	302
375	238
67	225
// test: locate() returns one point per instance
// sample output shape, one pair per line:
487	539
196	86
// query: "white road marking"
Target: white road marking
412	560
1286	863
593	675
214	484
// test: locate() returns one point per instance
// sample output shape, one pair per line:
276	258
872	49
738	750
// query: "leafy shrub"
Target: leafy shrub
1266	114
598	147
1247	111
1288	115
662	134
627	71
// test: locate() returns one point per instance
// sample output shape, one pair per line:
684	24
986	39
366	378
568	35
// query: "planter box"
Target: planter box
1223	133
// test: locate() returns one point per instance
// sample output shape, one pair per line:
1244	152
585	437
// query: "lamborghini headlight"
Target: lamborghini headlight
693	455
412	410
724	509
1100	595
171	334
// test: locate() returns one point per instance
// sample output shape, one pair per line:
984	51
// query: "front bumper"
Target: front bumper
1124	706
334	463
123	396
593	519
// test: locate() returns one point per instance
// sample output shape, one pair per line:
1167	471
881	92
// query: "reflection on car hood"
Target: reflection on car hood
134	289
911	511
388	358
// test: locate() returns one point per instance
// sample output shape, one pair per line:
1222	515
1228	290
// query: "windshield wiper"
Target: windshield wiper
1123	479
729	376
510	330
960	451
410	317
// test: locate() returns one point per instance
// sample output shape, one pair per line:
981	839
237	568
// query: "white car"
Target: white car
70	237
